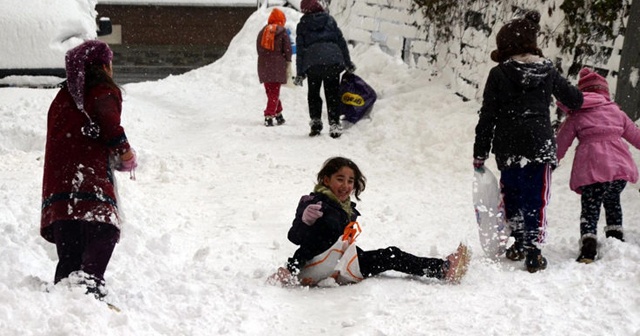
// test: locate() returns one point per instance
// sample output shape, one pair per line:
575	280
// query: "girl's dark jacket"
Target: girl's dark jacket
320	236
319	41
78	181
515	121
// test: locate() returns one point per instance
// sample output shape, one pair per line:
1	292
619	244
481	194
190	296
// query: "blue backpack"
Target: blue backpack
356	98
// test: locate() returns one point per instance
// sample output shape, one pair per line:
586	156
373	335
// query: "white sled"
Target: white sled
490	215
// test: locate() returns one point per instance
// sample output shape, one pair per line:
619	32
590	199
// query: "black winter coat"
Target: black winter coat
319	41
320	236
515	121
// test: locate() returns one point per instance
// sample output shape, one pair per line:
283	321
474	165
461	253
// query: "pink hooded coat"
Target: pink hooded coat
601	155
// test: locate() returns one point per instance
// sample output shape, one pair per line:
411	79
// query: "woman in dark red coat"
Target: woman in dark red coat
274	57
84	143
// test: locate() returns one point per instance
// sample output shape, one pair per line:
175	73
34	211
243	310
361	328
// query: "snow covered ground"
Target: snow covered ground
207	217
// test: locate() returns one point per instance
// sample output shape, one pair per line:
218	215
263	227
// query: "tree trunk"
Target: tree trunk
628	86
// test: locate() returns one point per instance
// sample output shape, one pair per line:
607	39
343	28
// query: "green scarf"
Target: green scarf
346	205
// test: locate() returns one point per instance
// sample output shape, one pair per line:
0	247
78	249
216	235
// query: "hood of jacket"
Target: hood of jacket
592	100
316	22
528	70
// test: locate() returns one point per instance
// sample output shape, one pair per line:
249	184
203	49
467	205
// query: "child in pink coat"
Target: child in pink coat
602	164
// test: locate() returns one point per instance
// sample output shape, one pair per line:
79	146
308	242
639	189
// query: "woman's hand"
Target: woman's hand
128	161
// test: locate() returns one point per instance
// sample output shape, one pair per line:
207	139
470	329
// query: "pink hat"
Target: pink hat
590	81
310	6
76	60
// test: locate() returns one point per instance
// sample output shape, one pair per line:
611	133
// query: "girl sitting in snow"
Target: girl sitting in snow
325	229
602	164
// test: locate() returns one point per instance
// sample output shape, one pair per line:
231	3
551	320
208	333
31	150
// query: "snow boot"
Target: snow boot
534	260
515	252
457	264
588	251
282	278
268	121
316	127
280	119
335	130
617	234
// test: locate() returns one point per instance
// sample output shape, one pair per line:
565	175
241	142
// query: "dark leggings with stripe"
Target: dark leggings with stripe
593	197
392	258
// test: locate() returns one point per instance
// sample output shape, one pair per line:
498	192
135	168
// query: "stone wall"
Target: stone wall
401	30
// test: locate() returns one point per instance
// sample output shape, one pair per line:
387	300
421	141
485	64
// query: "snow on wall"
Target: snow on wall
465	62
213	3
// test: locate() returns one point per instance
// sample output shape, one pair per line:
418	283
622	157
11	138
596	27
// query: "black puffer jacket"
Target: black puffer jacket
320	236
515	120
319	41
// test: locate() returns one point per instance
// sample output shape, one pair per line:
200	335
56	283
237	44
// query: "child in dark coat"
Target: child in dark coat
324	223
322	55
515	124
602	164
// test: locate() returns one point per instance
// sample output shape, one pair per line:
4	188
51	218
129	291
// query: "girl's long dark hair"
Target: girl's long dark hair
95	75
332	165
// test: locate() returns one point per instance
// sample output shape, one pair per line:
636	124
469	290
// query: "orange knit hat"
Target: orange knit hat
277	18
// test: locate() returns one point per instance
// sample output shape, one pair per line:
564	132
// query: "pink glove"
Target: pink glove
312	213
562	107
128	165
478	164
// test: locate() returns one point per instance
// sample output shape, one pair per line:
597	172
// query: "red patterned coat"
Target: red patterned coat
78	181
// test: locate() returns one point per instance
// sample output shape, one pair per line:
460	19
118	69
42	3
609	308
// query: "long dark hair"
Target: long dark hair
95	75
332	165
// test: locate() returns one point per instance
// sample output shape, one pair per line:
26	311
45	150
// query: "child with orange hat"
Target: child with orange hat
274	56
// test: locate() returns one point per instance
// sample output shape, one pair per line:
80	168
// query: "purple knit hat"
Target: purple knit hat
310	6
591	81
76	60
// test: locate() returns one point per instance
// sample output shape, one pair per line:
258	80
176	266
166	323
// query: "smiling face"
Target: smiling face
341	183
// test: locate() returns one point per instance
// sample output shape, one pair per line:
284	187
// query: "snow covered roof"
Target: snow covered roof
212	3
